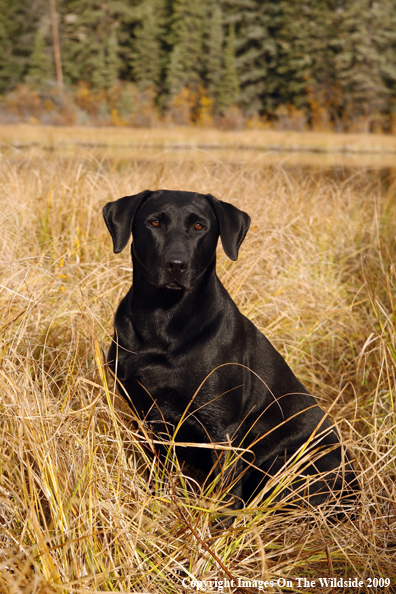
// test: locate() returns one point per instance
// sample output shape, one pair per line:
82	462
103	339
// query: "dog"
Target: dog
198	371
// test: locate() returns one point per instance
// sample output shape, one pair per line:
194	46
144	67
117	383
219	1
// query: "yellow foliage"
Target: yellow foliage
181	107
204	109
290	117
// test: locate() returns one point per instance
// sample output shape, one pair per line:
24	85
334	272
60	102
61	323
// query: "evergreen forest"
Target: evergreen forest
302	64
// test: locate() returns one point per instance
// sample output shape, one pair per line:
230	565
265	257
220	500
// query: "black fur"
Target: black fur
177	324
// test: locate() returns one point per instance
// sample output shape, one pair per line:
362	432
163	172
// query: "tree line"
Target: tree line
326	63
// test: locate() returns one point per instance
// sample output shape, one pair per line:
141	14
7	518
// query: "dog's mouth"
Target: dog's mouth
173	282
173	285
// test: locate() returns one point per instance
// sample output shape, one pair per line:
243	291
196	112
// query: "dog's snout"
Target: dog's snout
176	261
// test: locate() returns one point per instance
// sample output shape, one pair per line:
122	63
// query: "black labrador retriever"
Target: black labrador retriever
198	371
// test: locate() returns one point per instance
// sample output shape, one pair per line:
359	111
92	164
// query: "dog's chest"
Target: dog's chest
159	386
161	376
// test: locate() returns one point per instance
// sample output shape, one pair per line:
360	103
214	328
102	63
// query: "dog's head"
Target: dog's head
175	233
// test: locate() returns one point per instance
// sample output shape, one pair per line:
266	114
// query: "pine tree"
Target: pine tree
229	86
40	67
177	78
19	21
385	40
5	56
112	60
96	72
321	85
213	46
293	55
185	66
90	45
127	102
256	26
365	65
146	56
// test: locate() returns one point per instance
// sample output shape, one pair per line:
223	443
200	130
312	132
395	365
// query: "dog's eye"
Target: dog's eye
198	226
155	223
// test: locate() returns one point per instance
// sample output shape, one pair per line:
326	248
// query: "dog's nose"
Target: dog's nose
176	261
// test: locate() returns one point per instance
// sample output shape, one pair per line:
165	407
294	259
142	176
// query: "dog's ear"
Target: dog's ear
233	223
118	216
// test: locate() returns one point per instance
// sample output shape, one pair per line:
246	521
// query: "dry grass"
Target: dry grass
82	506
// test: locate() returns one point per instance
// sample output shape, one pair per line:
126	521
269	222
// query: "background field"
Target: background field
82	508
183	137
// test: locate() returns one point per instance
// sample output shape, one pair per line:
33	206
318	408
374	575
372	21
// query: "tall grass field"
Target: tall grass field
85	506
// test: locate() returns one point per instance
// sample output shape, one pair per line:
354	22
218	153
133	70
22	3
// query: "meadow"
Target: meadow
83	506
